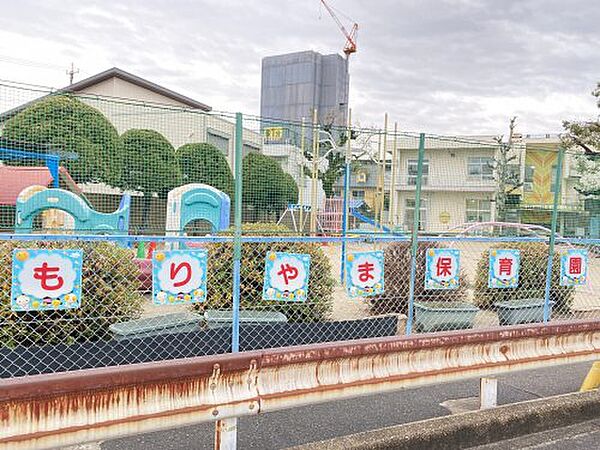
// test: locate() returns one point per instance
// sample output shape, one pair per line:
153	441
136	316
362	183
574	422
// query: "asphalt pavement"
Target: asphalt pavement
318	422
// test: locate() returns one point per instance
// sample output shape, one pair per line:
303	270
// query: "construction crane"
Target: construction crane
350	46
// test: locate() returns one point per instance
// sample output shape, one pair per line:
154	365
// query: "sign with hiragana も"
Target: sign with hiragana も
286	276
44	280
364	273
179	276
442	268
573	267
504	268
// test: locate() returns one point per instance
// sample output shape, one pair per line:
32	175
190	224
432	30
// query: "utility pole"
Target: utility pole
72	72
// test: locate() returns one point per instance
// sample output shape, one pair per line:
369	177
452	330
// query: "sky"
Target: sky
436	66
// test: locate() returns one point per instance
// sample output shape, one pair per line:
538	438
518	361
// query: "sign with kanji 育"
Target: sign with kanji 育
442	268
44	280
179	277
364	273
286	276
504	265
573	267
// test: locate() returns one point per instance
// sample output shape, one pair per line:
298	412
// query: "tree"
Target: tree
151	166
507	179
65	122
205	163
266	189
585	137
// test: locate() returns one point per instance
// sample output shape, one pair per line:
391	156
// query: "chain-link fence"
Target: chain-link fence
129	233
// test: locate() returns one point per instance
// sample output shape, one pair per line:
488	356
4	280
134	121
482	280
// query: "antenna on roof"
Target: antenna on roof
71	72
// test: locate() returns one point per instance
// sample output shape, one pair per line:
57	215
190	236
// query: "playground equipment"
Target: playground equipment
36	199
196	201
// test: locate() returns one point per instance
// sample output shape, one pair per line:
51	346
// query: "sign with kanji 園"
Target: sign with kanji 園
45	280
504	268
286	276
364	273
179	276
573	267
442	268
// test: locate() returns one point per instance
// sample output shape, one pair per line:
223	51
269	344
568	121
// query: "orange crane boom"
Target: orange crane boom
350	46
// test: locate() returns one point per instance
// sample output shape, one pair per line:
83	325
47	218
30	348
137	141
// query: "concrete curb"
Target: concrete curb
473	428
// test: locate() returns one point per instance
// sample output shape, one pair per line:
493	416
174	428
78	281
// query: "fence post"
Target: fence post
557	187
226	429
346	188
415	235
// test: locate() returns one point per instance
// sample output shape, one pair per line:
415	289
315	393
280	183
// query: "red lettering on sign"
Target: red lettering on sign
46	274
288	272
175	269
444	266
364	271
575	265
505	266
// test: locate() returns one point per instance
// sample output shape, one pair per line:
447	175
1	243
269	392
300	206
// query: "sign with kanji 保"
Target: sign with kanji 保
45	280
504	268
364	273
573	267
442	268
286	276
179	276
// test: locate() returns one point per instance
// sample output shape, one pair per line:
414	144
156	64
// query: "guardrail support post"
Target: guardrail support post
488	393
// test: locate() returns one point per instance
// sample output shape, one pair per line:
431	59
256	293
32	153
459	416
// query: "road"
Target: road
313	423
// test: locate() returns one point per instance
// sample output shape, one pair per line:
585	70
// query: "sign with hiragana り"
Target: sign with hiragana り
504	268
45	280
442	268
286	276
179	277
573	267
364	273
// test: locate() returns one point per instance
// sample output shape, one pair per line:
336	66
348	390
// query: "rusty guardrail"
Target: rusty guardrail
46	411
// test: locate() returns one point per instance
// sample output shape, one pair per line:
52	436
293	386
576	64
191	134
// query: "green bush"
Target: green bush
109	294
205	163
290	188
397	280
220	275
68	124
532	278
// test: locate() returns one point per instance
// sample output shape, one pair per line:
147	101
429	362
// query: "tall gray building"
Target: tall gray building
296	83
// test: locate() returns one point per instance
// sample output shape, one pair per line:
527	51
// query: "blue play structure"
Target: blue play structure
52	161
197	201
86	219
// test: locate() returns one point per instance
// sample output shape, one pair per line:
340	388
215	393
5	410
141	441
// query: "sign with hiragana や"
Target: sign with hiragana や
44	280
179	276
442	268
573	267
286	276
364	273
504	268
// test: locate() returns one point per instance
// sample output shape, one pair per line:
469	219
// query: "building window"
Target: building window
361	177
480	168
221	142
358	195
528	180
478	210
413	169
409	214
553	182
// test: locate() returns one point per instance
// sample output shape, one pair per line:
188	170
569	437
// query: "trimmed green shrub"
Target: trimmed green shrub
291	188
205	163
220	275
68	124
532	278
151	163
109	295
397	280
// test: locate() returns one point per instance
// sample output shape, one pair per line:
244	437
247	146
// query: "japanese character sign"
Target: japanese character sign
179	277
364	273
442	268
286	277
573	267
45	280
504	268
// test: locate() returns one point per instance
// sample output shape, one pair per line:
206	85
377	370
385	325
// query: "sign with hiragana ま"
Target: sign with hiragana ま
364	273
46	280
504	265
286	276
442	268
179	277
573	267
